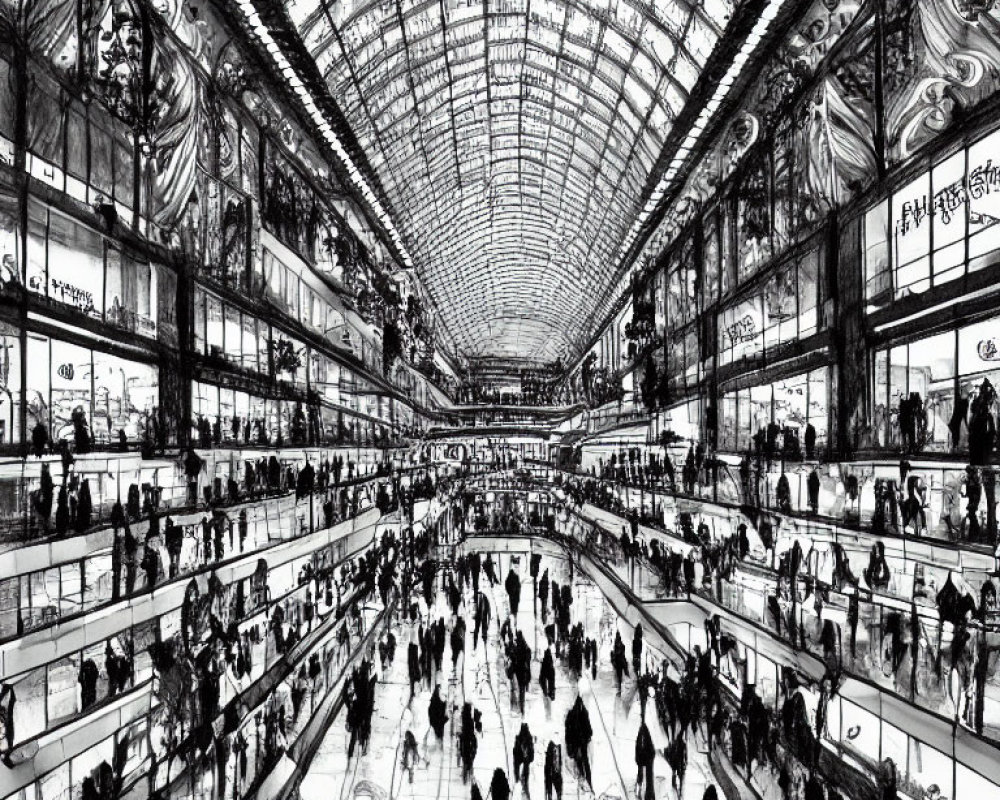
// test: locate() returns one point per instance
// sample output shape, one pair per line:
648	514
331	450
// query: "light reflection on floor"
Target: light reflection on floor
481	681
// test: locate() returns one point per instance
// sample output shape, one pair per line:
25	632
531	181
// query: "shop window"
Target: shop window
10	595
10	384
93	763
984	203
99	576
233	335
926	767
249	342
214	327
75	265
126	394
198	321
36	273
165	297
70	588
859	730
62	698
10	240
952	207
30	706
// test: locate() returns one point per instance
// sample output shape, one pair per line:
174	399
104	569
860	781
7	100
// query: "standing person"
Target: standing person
645	753
524	754
553	771
513	587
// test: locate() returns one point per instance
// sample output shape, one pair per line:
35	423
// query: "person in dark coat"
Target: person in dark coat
413	667
513	587
524	754
437	715
637	649
547	676
522	668
499	787
578	735
483	614
543	594
457	642
489	567
468	742
618	660
645	754
553	772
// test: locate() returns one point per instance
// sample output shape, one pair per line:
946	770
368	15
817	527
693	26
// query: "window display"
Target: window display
955	205
87	397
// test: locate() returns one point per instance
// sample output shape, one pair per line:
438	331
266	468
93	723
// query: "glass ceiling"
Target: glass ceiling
513	138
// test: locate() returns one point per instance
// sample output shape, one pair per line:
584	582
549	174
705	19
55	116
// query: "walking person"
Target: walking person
524	754
578	735
513	587
553	772
645	754
410	752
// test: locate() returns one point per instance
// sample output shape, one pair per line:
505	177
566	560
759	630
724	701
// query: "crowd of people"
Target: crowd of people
466	583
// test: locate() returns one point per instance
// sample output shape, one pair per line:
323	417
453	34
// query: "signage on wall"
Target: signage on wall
946	202
743	330
66	371
988	350
64	292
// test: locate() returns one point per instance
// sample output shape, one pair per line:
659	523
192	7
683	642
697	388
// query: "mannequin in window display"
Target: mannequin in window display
812	491
852	509
913	507
958	416
783	495
982	425
973	491
877	574
81	431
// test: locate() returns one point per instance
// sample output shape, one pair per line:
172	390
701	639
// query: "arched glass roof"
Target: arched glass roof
513	139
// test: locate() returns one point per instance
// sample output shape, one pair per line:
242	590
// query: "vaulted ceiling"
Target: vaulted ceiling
513	139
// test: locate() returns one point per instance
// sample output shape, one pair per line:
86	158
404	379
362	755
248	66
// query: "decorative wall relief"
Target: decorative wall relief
942	58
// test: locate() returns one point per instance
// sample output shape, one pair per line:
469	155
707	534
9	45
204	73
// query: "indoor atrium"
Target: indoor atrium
499	400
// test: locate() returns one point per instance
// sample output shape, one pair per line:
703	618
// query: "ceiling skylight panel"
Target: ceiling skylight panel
685	71
658	46
700	39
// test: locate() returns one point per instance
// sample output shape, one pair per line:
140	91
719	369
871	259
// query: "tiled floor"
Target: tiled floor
480	680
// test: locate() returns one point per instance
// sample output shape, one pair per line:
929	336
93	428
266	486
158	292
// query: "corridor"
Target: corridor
480	680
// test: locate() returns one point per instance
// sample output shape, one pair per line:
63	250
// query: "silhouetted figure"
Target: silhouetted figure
524	754
645	754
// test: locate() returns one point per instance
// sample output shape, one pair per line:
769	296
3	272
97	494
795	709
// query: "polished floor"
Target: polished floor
480	680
